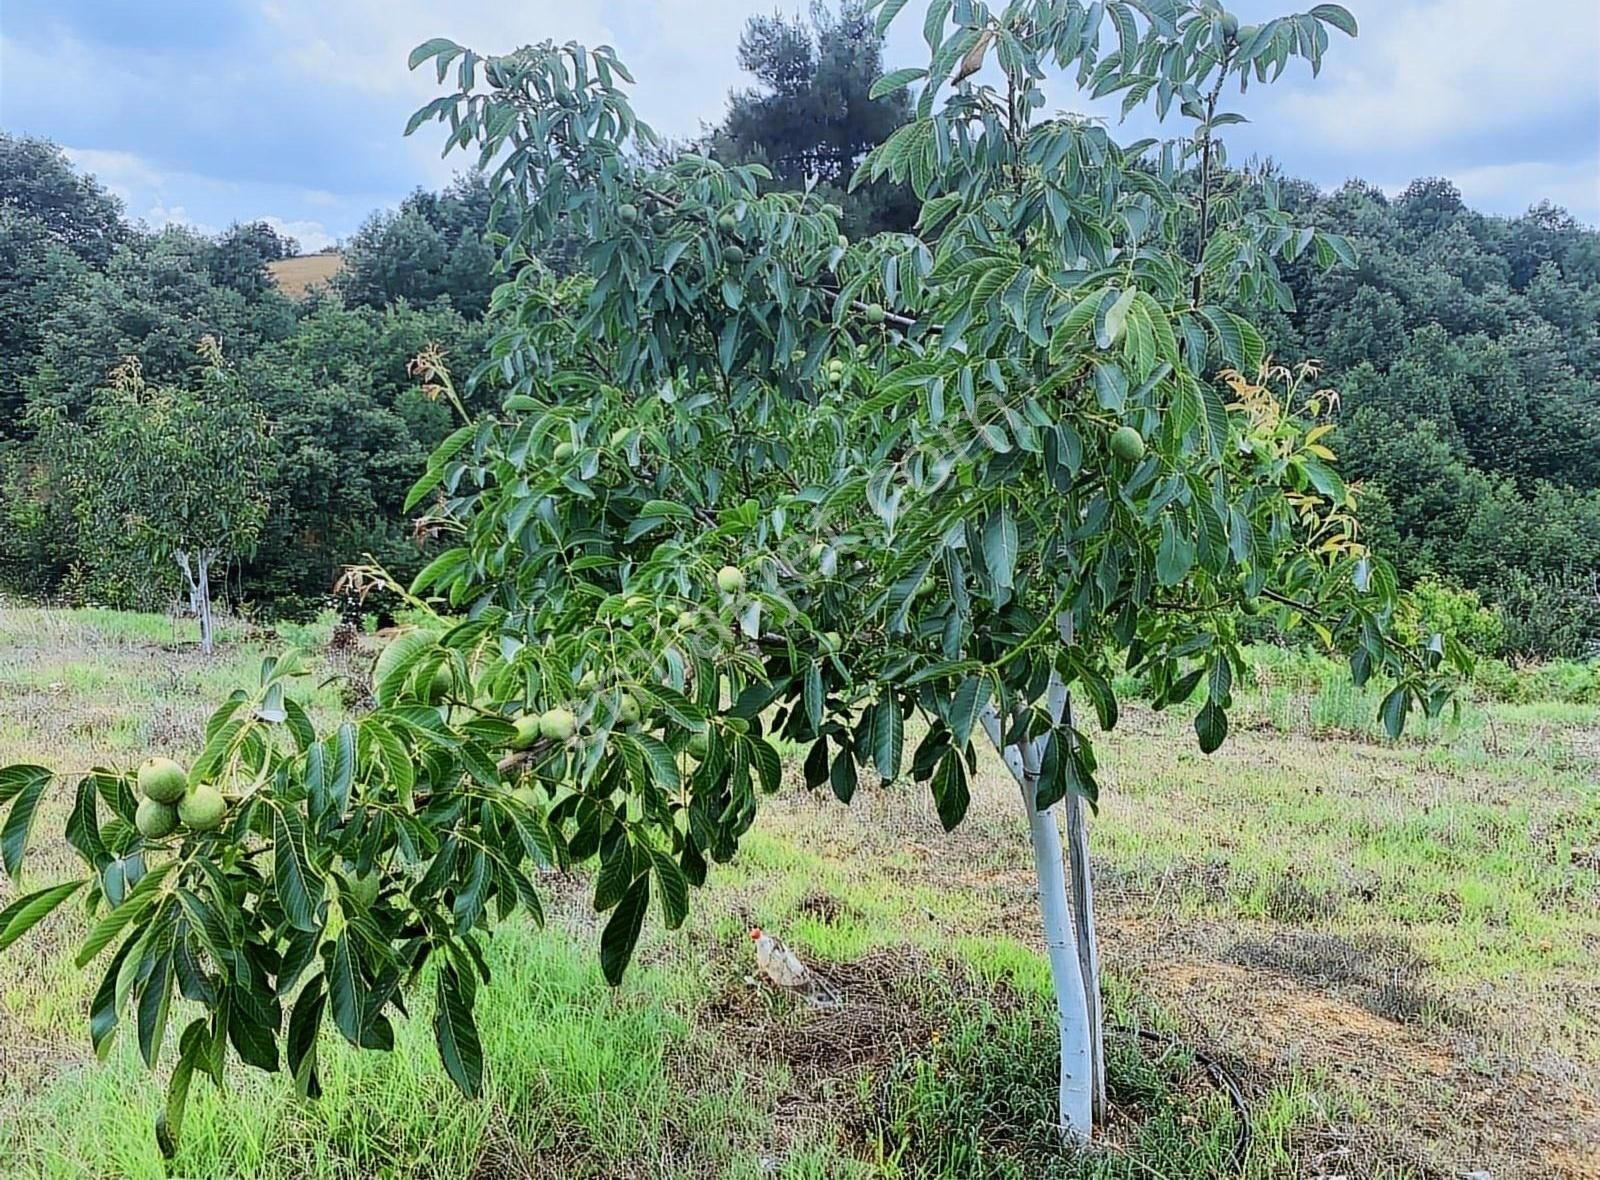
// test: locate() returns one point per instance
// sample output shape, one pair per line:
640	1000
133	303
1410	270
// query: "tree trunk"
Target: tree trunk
203	561
181	556
1076	1096
1081	893
1059	701
1088	947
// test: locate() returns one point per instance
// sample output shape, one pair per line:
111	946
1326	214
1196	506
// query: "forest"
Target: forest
1464	350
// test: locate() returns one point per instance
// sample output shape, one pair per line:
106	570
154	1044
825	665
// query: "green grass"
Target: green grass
577	1066
1369	933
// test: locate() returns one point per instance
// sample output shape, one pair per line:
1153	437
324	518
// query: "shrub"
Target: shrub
1568	682
1438	607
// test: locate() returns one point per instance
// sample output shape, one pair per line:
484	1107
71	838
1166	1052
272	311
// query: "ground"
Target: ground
1388	948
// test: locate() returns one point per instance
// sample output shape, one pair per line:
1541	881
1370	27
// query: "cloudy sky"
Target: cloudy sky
214	111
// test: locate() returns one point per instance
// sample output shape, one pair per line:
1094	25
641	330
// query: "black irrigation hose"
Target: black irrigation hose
1219	1076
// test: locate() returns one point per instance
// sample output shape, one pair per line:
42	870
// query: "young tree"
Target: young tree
747	483
170	475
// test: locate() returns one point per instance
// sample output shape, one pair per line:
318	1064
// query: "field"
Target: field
297	277
1390	948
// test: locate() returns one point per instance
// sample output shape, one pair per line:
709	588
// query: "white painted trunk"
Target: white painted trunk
1088	947
1076	1097
1081	892
203	561
191	586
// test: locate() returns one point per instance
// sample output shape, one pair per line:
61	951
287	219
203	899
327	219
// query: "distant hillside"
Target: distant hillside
296	276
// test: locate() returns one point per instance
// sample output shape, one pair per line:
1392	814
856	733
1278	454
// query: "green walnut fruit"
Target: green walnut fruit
629	214
926	587
527	727
1127	444
155	819
875	314
1230	26
698	745
835	375
730	579
1251	606
588	681
564	452
362	887
727	223
203	808
162	780
797	357
558	725
734	254
436	687
737	724
628	711
687	619
526	796
844	242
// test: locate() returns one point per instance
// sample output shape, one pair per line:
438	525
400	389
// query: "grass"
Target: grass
1390	945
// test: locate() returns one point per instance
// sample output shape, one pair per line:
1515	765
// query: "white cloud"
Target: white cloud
159	198
1479	90
1512	188
682	53
312	236
1446	70
125	174
160	215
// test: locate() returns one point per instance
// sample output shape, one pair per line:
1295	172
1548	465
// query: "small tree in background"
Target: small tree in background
169	475
752	481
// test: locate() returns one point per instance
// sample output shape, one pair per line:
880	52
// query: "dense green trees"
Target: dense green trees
38	183
238	258
350	431
346	427
1465	348
433	246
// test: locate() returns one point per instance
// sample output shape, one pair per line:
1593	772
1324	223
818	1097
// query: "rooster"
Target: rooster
783	967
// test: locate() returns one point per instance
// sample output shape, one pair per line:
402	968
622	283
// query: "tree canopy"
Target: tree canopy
163	474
